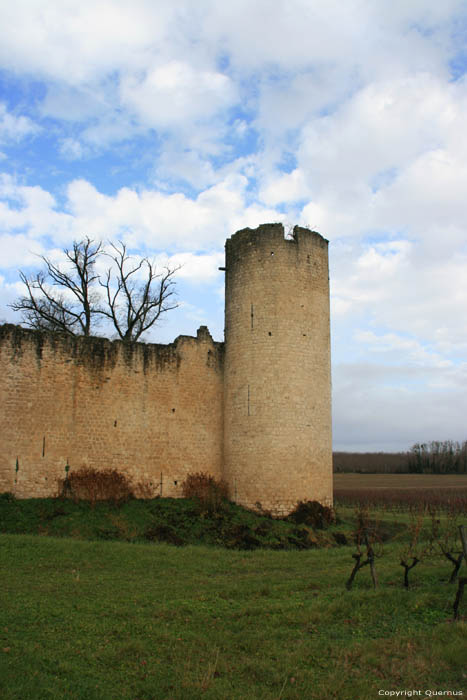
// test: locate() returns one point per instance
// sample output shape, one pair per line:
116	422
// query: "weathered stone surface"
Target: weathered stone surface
145	410
277	400
260	417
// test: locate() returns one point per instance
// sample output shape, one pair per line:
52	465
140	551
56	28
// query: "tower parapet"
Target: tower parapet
277	382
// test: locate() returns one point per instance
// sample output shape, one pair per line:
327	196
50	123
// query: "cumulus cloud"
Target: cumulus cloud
72	149
30	210
199	268
160	63
13	127
19	250
394	347
176	92
385	285
149	218
74	43
160	220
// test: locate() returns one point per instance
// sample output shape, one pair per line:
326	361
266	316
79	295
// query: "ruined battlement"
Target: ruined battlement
269	240
101	353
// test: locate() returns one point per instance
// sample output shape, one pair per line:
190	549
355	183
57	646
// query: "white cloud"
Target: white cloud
194	313
156	64
19	251
288	187
179	163
176	93
397	347
369	165
74	42
15	128
427	199
148	218
384	126
30	210
171	221
72	149
391	285
197	268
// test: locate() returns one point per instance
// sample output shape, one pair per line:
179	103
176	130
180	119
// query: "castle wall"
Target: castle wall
277	401
141	409
256	412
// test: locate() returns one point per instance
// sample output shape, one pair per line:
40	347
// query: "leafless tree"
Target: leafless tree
69	299
63	299
136	293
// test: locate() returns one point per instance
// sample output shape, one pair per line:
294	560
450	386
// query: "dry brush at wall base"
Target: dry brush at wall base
254	410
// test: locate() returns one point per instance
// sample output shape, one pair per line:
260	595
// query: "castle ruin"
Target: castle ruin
255	410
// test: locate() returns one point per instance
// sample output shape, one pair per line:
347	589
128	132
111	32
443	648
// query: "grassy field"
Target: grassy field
106	611
108	620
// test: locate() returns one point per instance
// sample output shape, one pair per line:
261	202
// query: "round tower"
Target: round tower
277	396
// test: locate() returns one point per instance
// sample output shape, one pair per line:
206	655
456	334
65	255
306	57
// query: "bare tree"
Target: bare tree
69	299
136	293
63	299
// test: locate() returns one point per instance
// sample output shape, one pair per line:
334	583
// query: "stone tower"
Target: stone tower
277	380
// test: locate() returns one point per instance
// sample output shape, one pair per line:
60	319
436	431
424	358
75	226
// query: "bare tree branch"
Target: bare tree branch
63	300
134	306
69	299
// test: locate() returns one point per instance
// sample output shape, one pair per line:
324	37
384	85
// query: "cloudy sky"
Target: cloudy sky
172	124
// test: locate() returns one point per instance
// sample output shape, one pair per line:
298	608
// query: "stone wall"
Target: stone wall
145	410
260	417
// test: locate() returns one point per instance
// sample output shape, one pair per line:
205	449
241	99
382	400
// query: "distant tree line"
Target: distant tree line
370	462
435	457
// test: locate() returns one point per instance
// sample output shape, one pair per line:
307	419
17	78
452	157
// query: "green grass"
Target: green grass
107	620
176	521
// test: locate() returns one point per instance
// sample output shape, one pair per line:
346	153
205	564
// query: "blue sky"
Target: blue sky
172	125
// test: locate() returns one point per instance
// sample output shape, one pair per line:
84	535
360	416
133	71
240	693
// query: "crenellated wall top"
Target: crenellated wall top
274	233
99	353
